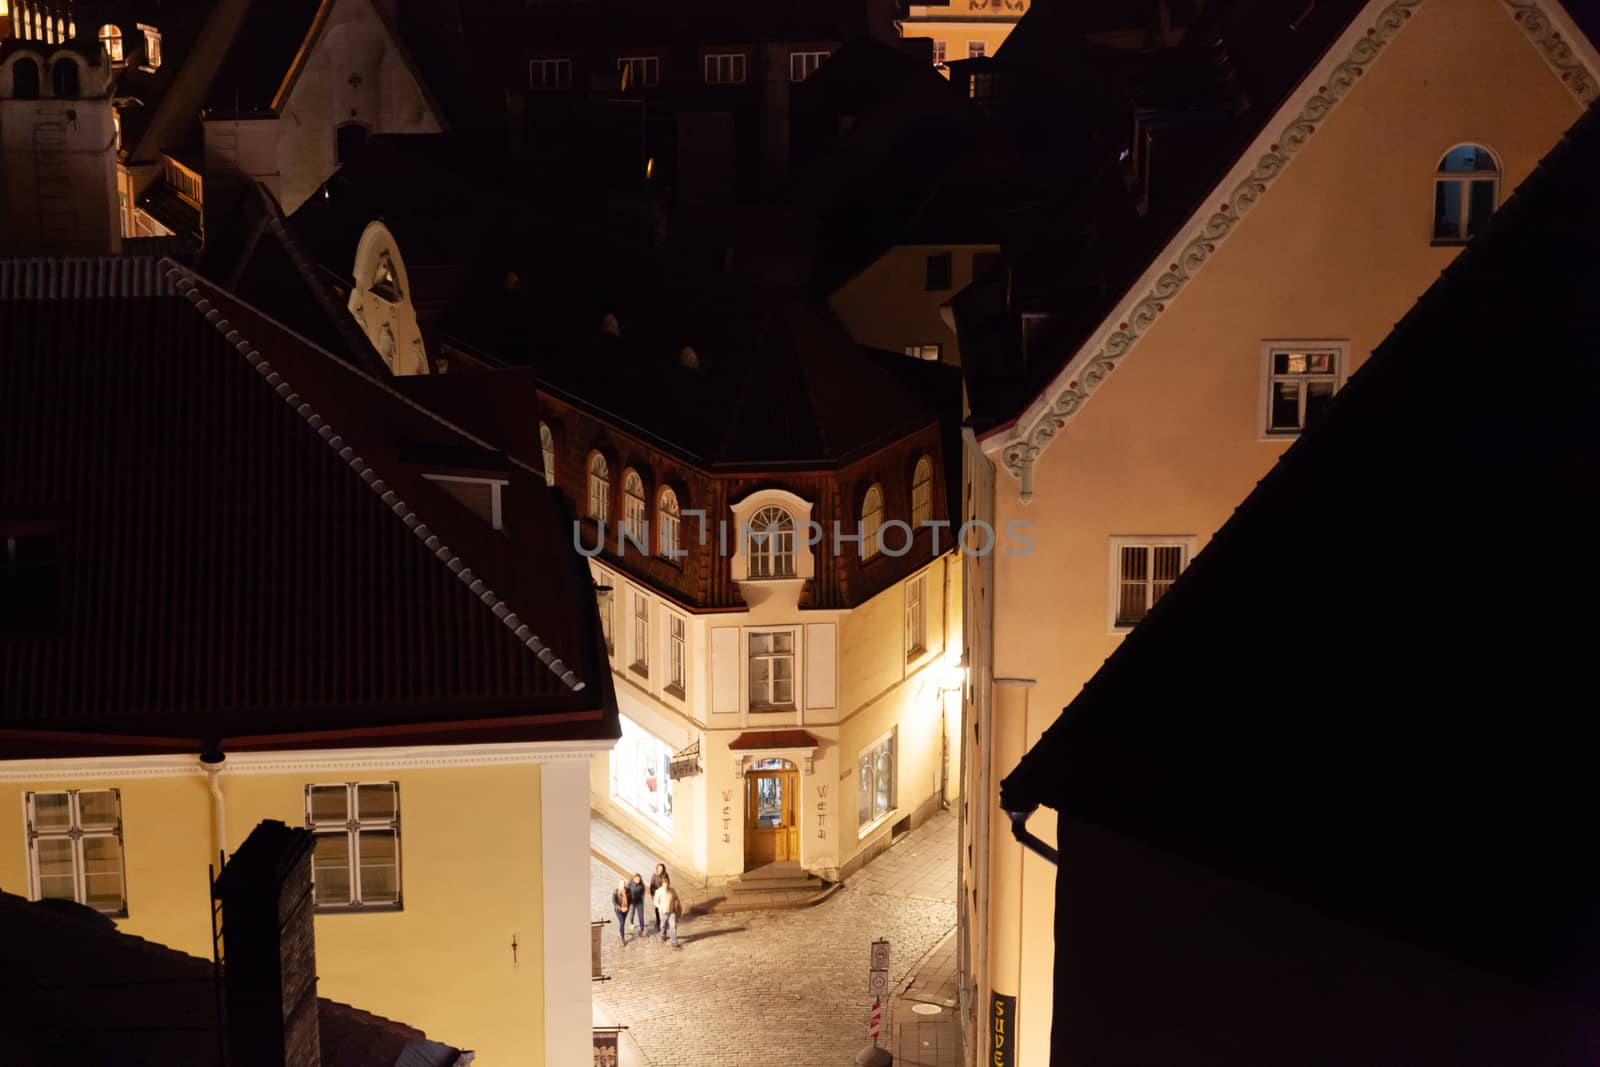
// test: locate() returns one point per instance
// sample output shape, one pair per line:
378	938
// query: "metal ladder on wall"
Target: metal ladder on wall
57	214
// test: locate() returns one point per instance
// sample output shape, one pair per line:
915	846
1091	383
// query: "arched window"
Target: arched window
633	506
922	493
770	548
871	519
1466	190
599	488
348	138
64	78
111	41
25	79
547	444
669	539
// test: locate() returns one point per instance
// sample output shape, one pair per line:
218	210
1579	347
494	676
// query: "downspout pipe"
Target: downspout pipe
1028	840
211	763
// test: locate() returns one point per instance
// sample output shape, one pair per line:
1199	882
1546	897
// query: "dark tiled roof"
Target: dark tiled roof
79	991
1372	691
238	567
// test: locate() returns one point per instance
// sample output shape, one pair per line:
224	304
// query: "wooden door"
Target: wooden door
771	817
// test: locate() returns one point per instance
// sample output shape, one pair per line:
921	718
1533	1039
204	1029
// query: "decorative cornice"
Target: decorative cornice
1556	49
190	291
1090	367
421	757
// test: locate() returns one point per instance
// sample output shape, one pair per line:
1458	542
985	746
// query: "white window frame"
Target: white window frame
977	49
1464	179
547	446
152	49
76	834
804	64
647	75
496	488
669	526
110	38
768	707
1340	351
544	82
916	631
877	819
640	629
676	639
352	827
941	50
1187	542
599	475
635	512
871	520
736	65
776	550
922	492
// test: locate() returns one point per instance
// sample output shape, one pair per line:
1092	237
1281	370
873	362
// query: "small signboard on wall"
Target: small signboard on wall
1002	1031
605	1048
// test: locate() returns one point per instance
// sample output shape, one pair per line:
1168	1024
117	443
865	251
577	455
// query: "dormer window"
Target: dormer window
669	526
922	492
547	445
111	41
633	508
770	544
871	520
481	496
152	49
599	488
385	283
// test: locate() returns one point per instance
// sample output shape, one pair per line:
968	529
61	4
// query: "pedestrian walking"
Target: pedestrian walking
619	904
636	901
669	907
656	881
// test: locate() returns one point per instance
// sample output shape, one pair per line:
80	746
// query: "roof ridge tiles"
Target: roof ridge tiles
186	287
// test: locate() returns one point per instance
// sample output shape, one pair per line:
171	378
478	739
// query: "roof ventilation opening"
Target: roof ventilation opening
609	325
688	358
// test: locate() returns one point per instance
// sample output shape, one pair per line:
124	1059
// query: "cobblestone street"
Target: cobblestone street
780	987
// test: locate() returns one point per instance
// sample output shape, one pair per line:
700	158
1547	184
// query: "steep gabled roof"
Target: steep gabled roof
1371	693
250	549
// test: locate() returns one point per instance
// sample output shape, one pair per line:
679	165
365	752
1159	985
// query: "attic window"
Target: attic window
385	283
481	496
30	583
111	41
152	49
1465	191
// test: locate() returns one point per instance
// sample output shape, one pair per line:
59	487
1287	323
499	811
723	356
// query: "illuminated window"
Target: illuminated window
875	785
641	773
75	848
770	544
599	488
1466	190
152	48
1143	569
669	526
111	41
677	660
726	69
922	492
549	73
640	71
633	508
547	445
932	353
641	633
980	88
939	50
355	862
1299	380
871	521
976	49
804	64
772	670
916	616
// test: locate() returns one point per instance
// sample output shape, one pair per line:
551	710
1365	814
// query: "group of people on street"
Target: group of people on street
628	901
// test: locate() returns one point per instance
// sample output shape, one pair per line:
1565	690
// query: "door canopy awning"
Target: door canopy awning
759	740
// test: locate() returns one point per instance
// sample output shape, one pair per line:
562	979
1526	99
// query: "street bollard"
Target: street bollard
873	1056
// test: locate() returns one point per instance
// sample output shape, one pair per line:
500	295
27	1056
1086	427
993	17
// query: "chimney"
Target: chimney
269	950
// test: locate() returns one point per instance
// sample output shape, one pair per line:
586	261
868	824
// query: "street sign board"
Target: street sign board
880	955
878	983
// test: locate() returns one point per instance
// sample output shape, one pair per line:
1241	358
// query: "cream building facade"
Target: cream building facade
1358	192
964	29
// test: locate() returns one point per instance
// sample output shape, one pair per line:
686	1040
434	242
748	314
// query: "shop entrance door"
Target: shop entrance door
771	813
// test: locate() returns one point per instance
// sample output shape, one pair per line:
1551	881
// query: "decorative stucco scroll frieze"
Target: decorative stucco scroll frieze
1556	49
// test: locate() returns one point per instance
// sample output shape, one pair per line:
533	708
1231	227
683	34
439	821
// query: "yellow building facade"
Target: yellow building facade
966	29
1128	463
478	828
900	301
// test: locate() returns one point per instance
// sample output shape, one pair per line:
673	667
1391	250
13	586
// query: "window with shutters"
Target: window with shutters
75	848
1142	570
355	865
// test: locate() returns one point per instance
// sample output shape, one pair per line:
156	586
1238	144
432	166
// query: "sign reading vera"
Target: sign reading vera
1003	1031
